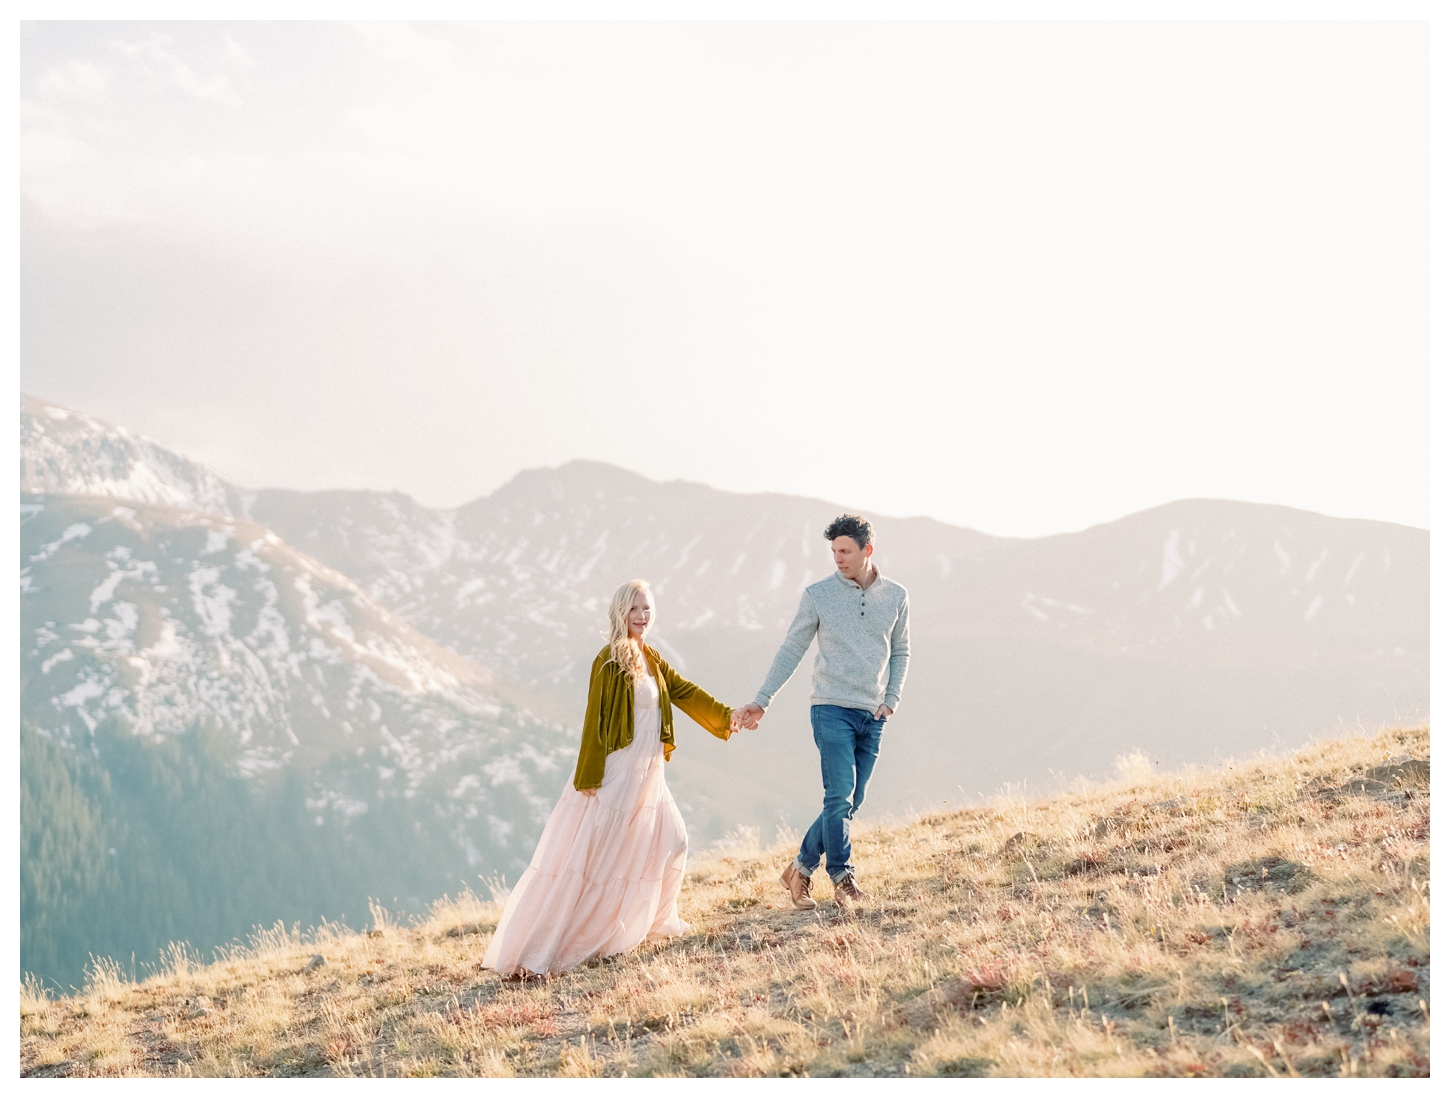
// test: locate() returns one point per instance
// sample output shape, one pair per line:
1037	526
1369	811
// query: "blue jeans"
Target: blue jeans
849	741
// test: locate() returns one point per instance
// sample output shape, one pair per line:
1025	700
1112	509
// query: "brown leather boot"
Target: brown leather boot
800	887
848	893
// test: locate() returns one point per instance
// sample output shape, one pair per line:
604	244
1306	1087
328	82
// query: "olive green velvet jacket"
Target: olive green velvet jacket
609	716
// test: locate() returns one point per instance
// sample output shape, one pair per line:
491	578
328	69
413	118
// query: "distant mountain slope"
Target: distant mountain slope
168	618
510	575
161	625
1215	581
521	577
1193	630
64	452
1197	581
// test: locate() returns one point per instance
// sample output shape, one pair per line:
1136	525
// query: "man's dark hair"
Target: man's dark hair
854	527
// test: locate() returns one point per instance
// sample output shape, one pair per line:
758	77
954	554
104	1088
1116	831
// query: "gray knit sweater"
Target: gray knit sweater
862	644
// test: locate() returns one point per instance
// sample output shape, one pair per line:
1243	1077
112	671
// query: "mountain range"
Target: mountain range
344	635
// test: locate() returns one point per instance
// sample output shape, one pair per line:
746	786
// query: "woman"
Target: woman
607	870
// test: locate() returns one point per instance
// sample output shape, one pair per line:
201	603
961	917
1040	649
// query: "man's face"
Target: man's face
851	560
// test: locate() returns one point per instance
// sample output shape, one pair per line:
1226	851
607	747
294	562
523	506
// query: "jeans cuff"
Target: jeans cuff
837	878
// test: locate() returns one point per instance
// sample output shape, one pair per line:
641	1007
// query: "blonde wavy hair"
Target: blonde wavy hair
628	655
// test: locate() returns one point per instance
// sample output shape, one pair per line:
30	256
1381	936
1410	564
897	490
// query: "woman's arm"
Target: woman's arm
695	703
589	771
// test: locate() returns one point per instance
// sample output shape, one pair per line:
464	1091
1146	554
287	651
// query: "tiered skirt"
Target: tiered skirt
606	874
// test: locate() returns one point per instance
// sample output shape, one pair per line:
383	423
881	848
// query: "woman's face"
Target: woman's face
641	613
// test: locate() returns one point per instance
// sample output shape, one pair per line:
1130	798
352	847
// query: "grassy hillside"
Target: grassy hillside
1269	918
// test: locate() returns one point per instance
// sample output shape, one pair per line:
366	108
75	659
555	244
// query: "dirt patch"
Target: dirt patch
1271	874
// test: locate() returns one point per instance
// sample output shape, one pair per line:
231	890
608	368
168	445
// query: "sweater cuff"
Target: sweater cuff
892	703
763	700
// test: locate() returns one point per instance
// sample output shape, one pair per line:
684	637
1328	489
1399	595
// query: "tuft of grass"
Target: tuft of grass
1269	918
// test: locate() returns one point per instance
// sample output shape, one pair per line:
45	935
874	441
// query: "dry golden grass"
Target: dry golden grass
1266	919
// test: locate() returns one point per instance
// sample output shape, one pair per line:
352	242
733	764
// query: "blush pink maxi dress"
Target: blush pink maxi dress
607	871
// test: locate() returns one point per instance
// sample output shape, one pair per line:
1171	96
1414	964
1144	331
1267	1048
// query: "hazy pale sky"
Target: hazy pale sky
1018	276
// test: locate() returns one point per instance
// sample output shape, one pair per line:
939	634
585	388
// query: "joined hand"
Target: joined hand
746	717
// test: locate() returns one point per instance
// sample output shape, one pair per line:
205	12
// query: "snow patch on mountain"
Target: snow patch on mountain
172	621
71	453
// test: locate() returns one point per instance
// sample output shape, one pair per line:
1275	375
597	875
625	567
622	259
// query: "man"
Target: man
858	618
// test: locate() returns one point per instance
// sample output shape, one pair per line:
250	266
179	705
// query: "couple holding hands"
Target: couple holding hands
607	871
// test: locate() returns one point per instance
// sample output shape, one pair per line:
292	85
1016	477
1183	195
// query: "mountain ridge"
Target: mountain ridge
34	480
515	581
